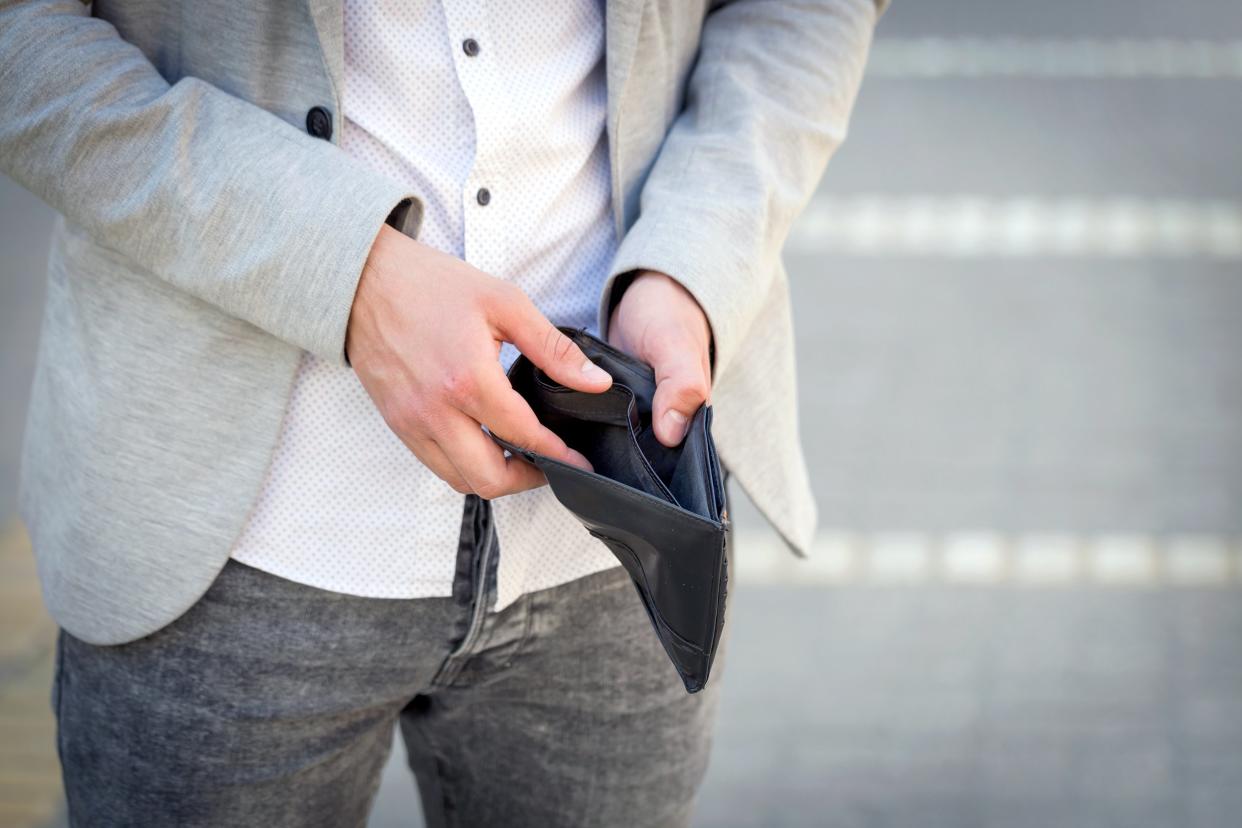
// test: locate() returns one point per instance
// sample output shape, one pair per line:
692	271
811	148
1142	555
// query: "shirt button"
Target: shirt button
319	123
470	46
483	196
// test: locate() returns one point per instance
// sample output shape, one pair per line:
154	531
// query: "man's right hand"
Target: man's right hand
424	338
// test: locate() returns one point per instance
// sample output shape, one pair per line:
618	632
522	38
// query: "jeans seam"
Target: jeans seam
528	624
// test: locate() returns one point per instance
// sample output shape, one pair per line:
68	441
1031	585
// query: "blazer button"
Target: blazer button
319	123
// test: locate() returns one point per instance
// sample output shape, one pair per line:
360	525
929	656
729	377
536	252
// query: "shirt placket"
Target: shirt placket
483	193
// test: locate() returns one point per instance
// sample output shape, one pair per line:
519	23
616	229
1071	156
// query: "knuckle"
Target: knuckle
556	345
421	422
460	385
400	416
508	295
395	417
489	489
692	393
418	418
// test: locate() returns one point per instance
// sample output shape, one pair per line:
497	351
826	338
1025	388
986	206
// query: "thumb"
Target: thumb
682	386
543	344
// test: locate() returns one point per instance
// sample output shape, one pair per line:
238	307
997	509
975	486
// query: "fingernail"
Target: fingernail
580	460
676	423
594	373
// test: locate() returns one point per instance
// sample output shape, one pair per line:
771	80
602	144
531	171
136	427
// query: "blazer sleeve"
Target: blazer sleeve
200	188
767	103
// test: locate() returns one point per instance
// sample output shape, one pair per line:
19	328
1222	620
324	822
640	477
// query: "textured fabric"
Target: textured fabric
208	240
272	703
767	105
346	506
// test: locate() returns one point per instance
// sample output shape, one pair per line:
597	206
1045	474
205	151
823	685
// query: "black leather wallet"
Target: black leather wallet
661	511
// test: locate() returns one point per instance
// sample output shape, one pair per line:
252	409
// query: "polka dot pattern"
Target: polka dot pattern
345	506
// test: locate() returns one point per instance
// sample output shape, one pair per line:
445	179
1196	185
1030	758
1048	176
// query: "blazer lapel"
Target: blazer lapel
329	19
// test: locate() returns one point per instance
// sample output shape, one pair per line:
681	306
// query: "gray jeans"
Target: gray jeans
272	704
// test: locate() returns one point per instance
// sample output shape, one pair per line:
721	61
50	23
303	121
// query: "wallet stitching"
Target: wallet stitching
718	609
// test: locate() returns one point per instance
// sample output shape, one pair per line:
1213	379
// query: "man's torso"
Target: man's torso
496	118
154	414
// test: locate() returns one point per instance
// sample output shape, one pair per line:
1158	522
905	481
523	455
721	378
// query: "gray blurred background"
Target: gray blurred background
1019	311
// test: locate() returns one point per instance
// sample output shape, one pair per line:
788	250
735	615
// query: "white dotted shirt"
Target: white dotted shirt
346	507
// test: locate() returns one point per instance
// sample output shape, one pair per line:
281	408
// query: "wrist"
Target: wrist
373	270
643	295
681	290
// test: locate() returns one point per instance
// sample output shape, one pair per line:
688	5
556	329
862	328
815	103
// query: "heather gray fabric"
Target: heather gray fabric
271	703
207	239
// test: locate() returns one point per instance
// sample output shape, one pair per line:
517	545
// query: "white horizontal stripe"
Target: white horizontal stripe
994	559
975	556
937	57
973	226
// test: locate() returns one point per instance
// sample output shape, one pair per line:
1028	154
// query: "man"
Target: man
296	237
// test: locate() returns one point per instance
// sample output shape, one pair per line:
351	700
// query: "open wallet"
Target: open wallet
660	510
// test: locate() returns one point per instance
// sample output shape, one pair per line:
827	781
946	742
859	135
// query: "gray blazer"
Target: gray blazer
206	240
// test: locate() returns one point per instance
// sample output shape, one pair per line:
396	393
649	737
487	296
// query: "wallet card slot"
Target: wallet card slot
612	407
604	428
692	478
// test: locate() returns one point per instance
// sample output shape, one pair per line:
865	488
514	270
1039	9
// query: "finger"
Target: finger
682	386
521	323
482	463
507	415
434	458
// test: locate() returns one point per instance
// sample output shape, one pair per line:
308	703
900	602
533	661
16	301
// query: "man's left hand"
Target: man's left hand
658	321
